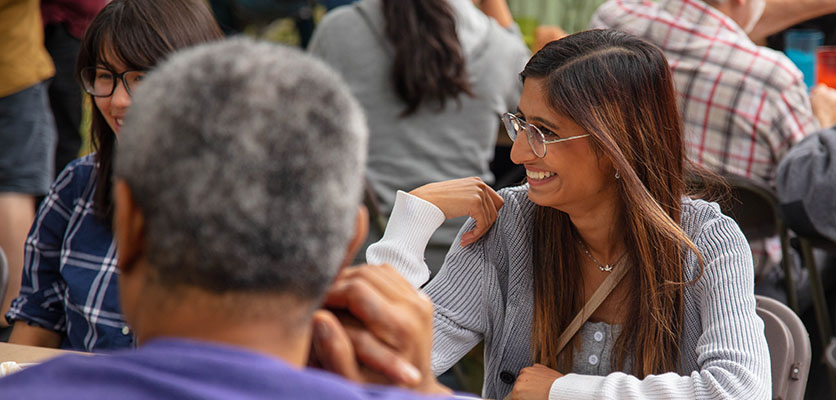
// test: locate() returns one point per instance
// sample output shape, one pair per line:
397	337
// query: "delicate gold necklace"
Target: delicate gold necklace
602	267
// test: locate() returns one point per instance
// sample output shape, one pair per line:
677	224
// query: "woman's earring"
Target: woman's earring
617	176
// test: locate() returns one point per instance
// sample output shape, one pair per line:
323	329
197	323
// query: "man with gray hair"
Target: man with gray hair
238	180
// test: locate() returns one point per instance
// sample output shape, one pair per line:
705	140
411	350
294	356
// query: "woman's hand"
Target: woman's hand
534	383
466	196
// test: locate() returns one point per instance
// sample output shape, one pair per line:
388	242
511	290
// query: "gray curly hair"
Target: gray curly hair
246	160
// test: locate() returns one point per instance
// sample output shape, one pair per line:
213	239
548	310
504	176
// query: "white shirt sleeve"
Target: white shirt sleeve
411	224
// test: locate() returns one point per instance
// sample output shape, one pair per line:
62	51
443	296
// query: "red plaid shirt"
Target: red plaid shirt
743	105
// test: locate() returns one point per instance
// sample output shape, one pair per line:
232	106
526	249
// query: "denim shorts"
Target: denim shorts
27	142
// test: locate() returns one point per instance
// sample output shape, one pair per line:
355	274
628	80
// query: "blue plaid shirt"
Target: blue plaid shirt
69	272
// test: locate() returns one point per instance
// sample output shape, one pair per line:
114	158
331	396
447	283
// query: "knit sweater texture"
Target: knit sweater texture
484	293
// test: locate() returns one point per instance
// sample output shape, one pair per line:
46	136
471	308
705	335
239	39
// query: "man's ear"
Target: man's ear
361	230
128	227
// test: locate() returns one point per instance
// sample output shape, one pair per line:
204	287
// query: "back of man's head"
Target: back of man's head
246	160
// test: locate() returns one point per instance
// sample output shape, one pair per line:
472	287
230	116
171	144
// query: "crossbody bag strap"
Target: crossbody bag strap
589	308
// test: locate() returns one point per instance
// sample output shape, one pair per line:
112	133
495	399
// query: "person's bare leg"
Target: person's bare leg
17	212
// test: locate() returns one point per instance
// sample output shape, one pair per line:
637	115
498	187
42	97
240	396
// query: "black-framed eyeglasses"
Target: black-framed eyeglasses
536	138
101	82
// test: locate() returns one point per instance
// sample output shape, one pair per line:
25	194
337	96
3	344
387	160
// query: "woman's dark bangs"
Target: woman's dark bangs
121	43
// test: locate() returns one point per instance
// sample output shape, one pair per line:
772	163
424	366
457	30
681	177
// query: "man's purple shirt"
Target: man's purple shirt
183	369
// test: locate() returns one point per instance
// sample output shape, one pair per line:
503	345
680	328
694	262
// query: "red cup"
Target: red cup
826	65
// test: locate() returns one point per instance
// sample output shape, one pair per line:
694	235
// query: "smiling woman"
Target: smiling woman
68	293
604	216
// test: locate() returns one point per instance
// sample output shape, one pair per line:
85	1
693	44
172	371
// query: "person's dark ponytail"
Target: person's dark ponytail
429	61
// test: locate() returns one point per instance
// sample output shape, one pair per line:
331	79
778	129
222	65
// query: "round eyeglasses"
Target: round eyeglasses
536	138
101	82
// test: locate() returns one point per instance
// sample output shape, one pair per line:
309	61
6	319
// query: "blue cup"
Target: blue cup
800	46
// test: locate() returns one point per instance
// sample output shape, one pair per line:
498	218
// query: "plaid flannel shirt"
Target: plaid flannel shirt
743	105
69	272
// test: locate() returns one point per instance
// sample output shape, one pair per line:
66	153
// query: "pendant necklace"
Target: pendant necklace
602	267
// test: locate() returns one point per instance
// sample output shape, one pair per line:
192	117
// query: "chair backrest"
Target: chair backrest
789	348
4	274
754	206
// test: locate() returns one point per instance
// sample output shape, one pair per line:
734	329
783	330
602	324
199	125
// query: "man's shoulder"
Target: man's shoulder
777	71
687	43
176	369
736	59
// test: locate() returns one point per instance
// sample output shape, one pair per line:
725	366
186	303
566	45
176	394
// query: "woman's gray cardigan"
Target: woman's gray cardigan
484	292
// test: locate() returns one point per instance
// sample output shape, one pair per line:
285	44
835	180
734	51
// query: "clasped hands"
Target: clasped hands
375	328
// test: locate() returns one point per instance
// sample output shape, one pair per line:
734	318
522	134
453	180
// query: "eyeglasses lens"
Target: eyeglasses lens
132	79
511	126
97	81
536	140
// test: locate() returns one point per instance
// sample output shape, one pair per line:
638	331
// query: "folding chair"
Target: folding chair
825	326
756	209
4	274
830	356
809	241
754	206
789	348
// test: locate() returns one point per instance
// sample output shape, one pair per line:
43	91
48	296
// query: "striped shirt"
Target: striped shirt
484	293
69	271
743	105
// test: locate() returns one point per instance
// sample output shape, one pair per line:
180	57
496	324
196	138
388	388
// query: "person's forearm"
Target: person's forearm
29	335
782	14
498	10
12	289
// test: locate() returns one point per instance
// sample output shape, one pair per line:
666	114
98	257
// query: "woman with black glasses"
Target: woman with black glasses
68	295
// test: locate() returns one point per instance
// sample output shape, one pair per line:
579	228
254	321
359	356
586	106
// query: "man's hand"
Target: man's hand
534	383
823	101
377	329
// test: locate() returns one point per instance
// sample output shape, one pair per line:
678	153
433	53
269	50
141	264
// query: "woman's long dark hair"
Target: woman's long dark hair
429	61
138	34
619	89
